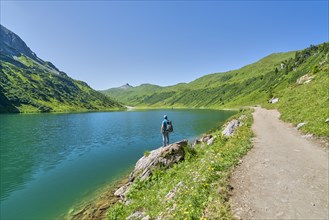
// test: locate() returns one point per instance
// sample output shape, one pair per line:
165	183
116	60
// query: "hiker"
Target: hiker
165	133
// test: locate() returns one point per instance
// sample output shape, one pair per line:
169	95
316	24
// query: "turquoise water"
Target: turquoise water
49	162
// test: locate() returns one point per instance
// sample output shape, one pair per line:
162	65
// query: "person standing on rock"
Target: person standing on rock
164	131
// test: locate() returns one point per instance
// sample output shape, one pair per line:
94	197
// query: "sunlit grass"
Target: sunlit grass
200	182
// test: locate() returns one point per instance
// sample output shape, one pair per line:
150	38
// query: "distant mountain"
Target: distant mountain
126	86
300	79
127	93
245	86
29	84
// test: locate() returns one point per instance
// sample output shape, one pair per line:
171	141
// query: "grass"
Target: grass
307	103
253	85
34	88
197	181
147	153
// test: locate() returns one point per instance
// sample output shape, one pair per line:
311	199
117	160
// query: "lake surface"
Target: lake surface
49	162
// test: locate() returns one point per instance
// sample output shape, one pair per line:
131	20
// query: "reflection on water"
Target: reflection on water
51	161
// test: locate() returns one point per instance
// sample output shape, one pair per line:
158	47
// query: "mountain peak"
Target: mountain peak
30	84
12	44
126	86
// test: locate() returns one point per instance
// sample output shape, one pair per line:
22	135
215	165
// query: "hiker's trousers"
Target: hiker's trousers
165	138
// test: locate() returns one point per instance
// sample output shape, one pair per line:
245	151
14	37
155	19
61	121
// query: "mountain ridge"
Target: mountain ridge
216	83
30	84
279	75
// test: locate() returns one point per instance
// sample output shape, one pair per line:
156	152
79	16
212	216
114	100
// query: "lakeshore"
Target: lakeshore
208	146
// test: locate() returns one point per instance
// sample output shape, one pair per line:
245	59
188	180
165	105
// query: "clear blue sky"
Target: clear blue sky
110	43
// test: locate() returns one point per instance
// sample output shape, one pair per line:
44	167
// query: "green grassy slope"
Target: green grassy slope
213	90
27	86
306	102
145	94
275	75
203	177
132	95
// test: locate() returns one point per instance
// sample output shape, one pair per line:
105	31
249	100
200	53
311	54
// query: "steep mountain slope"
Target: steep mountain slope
29	84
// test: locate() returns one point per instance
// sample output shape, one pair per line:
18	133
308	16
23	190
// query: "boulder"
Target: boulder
205	138
161	157
211	141
123	190
231	127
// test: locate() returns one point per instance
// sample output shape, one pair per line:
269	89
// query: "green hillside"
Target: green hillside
213	90
29	84
273	76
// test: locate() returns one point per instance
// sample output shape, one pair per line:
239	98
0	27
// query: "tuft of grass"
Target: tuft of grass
146	153
196	181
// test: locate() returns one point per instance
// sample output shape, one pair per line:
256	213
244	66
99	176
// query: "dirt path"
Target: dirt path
284	176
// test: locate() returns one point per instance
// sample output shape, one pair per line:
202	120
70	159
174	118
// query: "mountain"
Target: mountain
126	86
248	85
277	75
212	90
131	95
30	84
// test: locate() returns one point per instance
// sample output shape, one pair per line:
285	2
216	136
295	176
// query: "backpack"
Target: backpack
170	128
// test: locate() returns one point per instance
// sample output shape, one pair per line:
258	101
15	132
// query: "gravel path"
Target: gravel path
284	176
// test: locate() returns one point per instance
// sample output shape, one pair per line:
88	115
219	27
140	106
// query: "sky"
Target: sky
111	43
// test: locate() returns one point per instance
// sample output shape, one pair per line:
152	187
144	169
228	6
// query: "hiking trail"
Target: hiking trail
284	176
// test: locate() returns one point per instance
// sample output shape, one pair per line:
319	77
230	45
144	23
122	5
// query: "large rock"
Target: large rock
161	157
231	127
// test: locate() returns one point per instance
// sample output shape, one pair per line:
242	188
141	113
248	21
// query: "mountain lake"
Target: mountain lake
50	162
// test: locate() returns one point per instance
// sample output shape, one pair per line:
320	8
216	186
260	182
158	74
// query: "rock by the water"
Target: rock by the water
164	156
211	141
205	138
231	127
123	190
161	157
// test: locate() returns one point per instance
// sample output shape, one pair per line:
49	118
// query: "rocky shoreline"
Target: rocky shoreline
163	157
97	207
